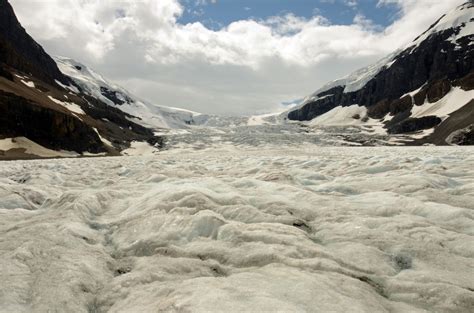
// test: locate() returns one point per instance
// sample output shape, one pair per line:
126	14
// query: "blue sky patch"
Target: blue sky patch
216	14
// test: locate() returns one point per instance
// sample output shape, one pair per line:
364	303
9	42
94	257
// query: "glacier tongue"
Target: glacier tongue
241	229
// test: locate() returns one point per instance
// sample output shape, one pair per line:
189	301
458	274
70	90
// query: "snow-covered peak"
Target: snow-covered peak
460	19
150	115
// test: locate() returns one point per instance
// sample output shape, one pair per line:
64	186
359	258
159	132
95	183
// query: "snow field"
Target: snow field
283	229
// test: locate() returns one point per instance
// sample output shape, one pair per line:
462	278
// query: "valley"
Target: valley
358	197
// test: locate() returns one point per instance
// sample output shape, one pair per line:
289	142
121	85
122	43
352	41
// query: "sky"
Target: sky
219	13
226	57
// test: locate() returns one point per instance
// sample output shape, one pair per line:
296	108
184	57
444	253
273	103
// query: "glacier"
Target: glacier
239	224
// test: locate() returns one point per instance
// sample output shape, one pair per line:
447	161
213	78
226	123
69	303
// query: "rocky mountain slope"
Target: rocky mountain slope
425	89
19	51
145	113
43	109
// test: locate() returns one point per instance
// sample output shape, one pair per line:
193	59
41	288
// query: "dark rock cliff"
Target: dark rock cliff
21	117
19	51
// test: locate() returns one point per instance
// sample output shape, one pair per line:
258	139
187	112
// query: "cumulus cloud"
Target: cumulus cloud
248	66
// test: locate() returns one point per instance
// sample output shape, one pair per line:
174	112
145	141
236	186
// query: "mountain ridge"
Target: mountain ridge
40	103
435	63
18	50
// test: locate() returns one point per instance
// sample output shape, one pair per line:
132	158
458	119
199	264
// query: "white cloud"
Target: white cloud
351	3
248	66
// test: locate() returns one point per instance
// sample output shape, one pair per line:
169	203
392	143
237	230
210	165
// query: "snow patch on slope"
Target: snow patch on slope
28	83
68	105
104	140
453	101
32	148
351	115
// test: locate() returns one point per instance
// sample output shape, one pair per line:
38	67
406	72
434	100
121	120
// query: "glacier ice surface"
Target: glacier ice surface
228	228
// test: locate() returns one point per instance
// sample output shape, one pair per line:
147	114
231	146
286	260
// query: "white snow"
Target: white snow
32	148
138	148
28	83
423	133
341	116
241	230
70	88
261	119
459	17
453	101
68	105
413	93
150	115
104	140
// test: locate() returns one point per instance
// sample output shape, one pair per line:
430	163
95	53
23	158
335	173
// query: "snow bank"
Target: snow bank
139	148
453	101
351	115
284	229
32	148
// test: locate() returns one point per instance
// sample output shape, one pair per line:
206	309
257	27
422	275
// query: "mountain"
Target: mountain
46	110
143	112
426	88
19	51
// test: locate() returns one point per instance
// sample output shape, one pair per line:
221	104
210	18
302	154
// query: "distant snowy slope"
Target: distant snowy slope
357	79
148	114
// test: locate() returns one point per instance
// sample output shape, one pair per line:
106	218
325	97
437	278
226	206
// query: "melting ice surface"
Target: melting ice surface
235	224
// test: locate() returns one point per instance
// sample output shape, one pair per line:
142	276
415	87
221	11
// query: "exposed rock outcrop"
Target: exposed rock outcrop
49	128
19	51
462	137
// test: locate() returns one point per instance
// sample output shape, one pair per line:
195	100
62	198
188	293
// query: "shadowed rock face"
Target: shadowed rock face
49	128
414	124
437	64
114	97
30	112
19	51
